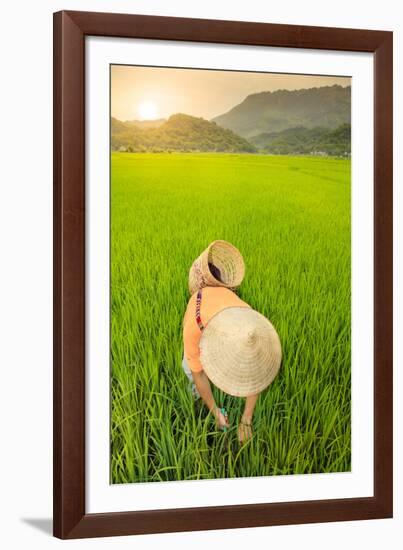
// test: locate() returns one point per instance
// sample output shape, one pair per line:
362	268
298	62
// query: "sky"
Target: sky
148	93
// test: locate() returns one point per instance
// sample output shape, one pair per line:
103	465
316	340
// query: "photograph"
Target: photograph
230	274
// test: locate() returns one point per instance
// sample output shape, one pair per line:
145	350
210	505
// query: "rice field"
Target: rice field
290	218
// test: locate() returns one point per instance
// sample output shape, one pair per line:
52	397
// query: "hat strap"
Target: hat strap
198	303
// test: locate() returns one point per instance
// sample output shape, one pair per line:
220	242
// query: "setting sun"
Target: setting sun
147	110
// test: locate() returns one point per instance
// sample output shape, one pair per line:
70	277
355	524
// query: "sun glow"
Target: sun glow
147	110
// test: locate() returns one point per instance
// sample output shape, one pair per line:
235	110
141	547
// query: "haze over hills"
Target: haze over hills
144	123
179	133
326	107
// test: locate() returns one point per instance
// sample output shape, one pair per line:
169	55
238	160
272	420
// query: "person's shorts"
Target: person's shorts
188	372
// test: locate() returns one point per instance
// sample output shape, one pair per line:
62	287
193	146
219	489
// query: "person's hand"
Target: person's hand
220	419
244	430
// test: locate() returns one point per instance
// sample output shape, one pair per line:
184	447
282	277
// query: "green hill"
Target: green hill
179	133
306	141
327	107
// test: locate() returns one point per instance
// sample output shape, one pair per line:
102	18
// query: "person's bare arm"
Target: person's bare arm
203	385
245	425
249	407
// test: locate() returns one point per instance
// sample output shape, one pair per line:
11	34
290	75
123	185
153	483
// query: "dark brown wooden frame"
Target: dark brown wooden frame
70	517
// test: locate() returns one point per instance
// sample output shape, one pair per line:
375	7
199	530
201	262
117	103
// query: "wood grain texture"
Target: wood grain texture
70	518
69	277
383	273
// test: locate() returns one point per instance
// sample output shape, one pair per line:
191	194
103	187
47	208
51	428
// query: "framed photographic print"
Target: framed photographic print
222	274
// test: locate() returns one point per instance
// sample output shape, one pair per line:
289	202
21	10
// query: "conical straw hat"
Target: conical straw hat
240	351
226	258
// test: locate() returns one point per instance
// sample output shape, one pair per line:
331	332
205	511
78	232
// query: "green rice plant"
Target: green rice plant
290	218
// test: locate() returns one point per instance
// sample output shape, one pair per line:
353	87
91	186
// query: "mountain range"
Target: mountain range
280	122
326	107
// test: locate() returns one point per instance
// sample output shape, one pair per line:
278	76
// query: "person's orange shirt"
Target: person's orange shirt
214	299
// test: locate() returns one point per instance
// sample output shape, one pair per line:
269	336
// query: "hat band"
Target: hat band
198	304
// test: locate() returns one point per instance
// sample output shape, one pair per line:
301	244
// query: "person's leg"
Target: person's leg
188	373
